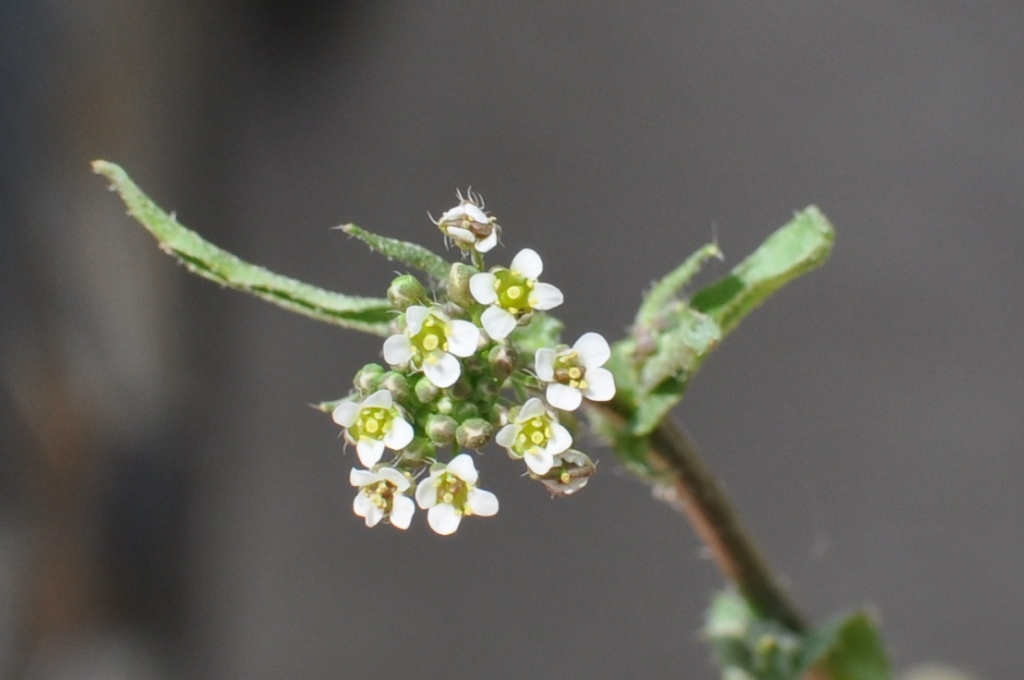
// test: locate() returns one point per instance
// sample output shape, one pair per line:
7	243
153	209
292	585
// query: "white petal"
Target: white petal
444	519
600	384
402	510
442	368
361	504
460	234
463	338
560	439
527	263
488	243
483	503
394	477
544	364
564	397
426	493
545	296
346	413
414	318
593	350
474	213
497	322
379	399
462	467
482	287
539	461
362	477
507	435
398	435
369	450
397	349
531	409
373	515
453	214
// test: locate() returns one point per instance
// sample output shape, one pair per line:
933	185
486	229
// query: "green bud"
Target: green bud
426	391
417	453
406	291
458	284
461	389
397	384
486	391
444	405
464	410
499	415
474	433
502	360
441	429
368	378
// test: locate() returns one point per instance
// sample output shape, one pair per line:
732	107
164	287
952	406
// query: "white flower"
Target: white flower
512	293
373	424
570	473
450	493
574	373
468	226
536	436
382	495
431	342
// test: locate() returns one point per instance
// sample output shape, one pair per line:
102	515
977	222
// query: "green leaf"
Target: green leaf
370	315
848	648
797	248
664	292
407	253
749	646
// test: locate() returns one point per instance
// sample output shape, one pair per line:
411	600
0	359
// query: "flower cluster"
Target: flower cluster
457	376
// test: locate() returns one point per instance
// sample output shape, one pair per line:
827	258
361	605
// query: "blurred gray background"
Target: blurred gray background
171	508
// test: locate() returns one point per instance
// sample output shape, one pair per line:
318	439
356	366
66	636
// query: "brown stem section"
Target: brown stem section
719	526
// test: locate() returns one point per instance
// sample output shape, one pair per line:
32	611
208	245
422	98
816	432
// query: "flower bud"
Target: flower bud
426	391
417	453
444	405
461	389
486	391
368	378
441	429
464	410
474	433
397	384
502	360
406	291
498	415
458	284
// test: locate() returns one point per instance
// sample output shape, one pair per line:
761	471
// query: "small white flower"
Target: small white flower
576	372
512	293
450	493
468	226
373	424
536	436
382	494
431	342
570	473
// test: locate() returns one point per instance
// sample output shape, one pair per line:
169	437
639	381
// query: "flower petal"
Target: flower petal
474	213
462	467
379	399
545	296
544	364
527	263
593	350
532	408
507	435
600	384
459	234
453	214
444	519
394	477
483	503
488	243
361	504
441	368
373	515
564	397
397	349
414	318
482	287
346	413
560	439
369	450
463	338
402	509
362	477
426	493
539	460
398	435
497	322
